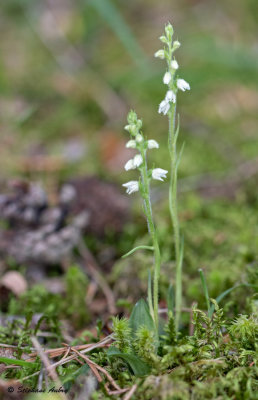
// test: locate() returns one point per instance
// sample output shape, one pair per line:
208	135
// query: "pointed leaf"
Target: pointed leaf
138	367
141	317
138	248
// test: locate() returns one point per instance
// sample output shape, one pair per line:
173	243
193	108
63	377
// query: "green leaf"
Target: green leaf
111	14
171	299
138	367
205	289
224	294
138	248
69	380
12	361
140	316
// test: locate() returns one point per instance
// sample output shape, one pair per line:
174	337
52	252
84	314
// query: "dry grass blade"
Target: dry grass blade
130	393
46	362
98	367
52	353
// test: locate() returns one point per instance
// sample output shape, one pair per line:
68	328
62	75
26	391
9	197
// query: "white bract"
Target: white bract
183	85
131	187
170	96
174	64
152	144
137	160
167	78
131	144
164	107
159	174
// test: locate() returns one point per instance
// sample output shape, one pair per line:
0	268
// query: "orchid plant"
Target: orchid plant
139	162
142	145
168	107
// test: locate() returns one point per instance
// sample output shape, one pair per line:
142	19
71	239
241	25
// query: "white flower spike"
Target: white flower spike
131	187
137	160
130	165
160	54
131	144
183	85
152	144
167	78
174	64
170	96
159	174
164	107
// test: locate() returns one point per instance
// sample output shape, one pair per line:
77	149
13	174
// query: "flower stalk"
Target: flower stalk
140	162
168	106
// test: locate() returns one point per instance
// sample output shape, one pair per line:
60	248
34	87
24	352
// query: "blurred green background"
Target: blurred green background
71	70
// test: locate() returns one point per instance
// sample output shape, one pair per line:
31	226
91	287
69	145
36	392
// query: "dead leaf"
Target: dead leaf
14	282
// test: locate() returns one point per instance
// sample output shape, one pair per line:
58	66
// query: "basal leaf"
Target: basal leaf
138	367
140	316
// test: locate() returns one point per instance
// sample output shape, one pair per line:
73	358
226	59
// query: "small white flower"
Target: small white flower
183	85
127	127
164	107
129	165
174	64
159	174
160	54
131	187
139	138
176	45
131	144
167	78
152	144
170	96
137	160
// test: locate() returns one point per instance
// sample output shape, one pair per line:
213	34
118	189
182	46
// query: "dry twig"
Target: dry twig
46	362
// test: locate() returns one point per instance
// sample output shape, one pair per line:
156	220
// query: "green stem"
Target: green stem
153	233
172	138
205	289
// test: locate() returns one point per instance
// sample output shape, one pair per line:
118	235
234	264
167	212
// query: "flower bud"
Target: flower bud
167	78
138	138
152	144
160	54
163	39
174	64
132	117
131	144
169	30
176	45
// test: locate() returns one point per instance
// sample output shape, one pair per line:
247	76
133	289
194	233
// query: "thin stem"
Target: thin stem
153	233
174	212
205	289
